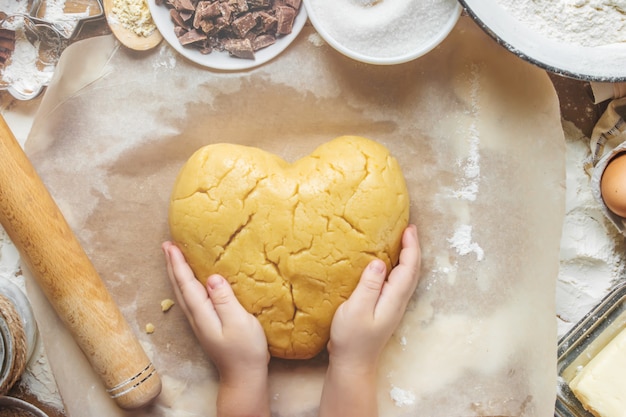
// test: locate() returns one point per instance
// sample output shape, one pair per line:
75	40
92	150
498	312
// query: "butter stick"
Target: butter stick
600	385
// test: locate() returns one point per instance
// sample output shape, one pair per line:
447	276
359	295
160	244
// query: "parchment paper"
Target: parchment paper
478	135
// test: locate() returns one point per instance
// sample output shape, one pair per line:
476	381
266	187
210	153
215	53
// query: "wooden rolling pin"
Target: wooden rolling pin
69	280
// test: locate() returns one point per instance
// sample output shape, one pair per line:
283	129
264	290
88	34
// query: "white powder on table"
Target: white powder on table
580	22
592	250
402	397
463	243
383	28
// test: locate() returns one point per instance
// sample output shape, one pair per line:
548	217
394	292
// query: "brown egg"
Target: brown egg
613	185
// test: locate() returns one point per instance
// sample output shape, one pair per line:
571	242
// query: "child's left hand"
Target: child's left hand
232	337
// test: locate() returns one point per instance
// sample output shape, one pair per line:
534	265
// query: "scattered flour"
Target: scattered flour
402	397
591	256
581	22
469	181
316	39
167	59
462	242
470	165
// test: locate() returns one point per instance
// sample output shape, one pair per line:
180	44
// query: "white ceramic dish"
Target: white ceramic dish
602	63
419	48
221	60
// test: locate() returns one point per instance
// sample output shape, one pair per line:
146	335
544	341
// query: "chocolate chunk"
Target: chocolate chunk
241	5
191	37
222	25
285	16
179	31
184	5
268	22
178	21
208	9
294	4
240	48
243	25
4	55
8	44
263	41
226	10
259	4
208	27
186	15
7	34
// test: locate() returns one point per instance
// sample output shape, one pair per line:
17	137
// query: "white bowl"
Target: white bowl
222	60
418	46
605	63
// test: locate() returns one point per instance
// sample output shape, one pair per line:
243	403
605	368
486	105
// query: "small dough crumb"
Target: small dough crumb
150	328
166	304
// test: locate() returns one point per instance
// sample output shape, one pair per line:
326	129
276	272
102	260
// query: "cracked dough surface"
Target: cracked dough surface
292	239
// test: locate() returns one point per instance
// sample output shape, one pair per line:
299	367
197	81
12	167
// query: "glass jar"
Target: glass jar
8	345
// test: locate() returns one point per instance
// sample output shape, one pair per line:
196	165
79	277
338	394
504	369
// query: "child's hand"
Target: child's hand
362	327
364	323
232	337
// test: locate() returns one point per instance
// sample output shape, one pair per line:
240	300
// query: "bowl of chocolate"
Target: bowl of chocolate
383	32
229	35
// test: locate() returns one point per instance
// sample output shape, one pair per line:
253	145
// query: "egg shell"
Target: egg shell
613	185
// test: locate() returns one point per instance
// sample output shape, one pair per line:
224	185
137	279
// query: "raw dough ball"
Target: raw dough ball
292	239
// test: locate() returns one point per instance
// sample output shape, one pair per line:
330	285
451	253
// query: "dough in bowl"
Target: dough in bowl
292	239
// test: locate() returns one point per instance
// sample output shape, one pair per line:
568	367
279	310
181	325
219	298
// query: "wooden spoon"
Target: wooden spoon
126	36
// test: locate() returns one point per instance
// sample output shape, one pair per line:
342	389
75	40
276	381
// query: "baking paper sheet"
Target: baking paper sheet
478	135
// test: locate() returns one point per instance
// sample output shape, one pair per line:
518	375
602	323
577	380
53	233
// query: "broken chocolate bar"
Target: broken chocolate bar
240	27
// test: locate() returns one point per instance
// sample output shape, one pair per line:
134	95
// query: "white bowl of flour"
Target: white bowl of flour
383	32
582	39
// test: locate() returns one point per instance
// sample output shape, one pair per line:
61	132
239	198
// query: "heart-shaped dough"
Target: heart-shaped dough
292	239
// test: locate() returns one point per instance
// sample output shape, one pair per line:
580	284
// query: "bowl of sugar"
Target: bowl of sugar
580	39
383	32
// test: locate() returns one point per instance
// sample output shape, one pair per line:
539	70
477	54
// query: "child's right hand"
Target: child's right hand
362	327
364	323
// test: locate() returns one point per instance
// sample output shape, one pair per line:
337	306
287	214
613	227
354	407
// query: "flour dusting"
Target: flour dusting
591	256
581	22
470	165
462	242
402	397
